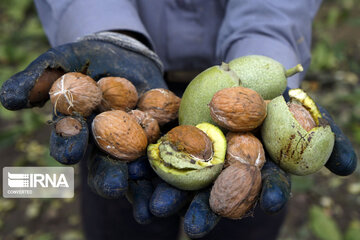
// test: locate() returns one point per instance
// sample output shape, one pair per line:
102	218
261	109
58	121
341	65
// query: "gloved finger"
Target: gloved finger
31	86
167	200
286	94
343	160
199	219
141	192
140	169
69	139
276	188
96	56
107	177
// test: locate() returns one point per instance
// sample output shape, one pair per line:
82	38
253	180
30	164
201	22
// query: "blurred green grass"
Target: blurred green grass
323	206
24	135
21	41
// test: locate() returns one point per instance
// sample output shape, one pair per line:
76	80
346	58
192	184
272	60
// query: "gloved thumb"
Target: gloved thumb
30	87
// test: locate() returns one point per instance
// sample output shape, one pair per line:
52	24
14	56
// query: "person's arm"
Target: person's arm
279	29
67	20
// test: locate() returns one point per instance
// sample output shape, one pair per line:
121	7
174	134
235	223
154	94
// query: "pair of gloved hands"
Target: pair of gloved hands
111	54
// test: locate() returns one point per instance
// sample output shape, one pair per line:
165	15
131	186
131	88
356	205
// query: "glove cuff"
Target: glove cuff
126	42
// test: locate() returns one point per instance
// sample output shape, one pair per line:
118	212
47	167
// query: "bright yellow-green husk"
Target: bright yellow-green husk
184	171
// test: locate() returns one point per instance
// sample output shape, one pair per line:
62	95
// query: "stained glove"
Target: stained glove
199	219
98	55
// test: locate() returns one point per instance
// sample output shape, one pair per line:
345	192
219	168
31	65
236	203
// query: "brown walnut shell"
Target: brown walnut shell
245	148
118	134
236	191
191	140
68	127
148	123
75	92
162	104
302	116
238	109
117	94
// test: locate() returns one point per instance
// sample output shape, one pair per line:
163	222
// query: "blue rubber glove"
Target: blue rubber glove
199	219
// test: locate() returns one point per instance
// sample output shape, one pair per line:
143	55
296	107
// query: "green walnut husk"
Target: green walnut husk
183	170
198	94
265	75
294	149
262	74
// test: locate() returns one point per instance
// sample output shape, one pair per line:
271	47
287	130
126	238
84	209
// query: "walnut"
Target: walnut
68	127
75	93
191	140
238	109
162	104
245	148
148	123
236	191
302	116
118	134
117	94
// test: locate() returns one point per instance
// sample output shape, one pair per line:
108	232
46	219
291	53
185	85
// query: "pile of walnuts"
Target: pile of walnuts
242	111
125	124
239	110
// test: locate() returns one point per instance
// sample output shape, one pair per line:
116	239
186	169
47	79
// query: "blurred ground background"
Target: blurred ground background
323	206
